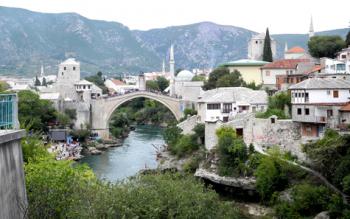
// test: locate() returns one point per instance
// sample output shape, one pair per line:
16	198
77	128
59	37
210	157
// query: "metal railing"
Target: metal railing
8	111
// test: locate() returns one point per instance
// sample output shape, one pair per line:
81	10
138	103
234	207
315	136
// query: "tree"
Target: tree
162	82
44	82
214	77
98	81
34	112
325	46
233	79
63	119
267	52
37	81
152	85
198	78
253	86
347	39
3	86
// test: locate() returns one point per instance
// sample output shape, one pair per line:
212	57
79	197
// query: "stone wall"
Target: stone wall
263	133
13	199
188	125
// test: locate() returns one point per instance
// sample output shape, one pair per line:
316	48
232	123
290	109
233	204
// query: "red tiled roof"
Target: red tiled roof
284	64
316	68
296	49
118	82
345	108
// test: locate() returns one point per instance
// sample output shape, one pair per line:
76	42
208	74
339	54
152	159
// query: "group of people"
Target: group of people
66	151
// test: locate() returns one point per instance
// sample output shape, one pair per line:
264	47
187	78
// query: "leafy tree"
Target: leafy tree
44	82
214	77
189	112
232	152
267	52
276	106
162	82
37	81
233	79
325	46
185	145
347	39
172	134
63	119
222	77
253	86
198	78
34	111
71	113
199	131
4	86
152	85
98	80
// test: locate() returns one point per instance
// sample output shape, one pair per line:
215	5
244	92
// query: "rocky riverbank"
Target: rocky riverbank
96	148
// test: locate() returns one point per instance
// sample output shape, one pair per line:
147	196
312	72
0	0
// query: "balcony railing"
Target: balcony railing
8	111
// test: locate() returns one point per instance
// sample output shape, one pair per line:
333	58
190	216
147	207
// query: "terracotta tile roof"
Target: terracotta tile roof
316	68
118	82
296	49
345	108
284	64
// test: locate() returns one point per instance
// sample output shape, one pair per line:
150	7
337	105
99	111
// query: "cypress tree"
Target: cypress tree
267	53
44	82
347	40
37	81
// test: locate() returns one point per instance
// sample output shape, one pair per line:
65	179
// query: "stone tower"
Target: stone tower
256	47
172	71
311	29
68	75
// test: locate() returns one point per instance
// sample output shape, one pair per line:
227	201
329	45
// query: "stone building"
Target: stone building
256	47
317	103
226	103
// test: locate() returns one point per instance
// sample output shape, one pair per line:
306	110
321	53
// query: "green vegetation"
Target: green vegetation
198	78
44	82
158	85
98	81
34	112
347	39
325	46
59	189
139	111
331	156
37	81
182	145
188	112
277	105
222	77
3	86
267	52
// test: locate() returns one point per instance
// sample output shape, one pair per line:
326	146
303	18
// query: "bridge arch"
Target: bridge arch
102	109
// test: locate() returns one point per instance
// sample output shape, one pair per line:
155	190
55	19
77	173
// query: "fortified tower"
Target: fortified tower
68	75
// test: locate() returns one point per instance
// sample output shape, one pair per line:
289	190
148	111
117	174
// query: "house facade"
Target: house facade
316	104
249	69
227	102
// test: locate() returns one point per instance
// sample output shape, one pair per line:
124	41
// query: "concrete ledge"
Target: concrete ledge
11	135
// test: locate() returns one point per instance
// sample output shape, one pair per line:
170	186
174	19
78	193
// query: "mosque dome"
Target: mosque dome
184	75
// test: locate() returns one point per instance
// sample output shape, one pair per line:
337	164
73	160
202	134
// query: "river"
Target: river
136	153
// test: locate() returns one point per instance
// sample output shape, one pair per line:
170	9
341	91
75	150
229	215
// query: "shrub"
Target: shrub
185	145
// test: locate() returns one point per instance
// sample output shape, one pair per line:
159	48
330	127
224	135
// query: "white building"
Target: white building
256	47
344	54
316	103
119	87
227	102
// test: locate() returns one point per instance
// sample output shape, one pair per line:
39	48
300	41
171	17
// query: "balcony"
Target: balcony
8	112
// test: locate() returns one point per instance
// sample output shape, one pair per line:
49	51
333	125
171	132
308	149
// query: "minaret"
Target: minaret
172	71
42	74
311	30
286	47
163	67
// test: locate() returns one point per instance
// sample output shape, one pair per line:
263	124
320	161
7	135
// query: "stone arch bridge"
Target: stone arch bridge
102	109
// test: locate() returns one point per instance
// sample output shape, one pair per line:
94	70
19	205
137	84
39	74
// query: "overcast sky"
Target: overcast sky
281	16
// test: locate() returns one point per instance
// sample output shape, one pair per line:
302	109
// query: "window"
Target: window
306	97
227	107
225	119
328	92
267	73
84	87
299	111
273	120
329	113
74	68
62	73
213	106
256	42
307	111
335	93
64	68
